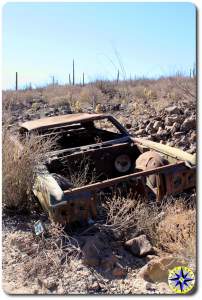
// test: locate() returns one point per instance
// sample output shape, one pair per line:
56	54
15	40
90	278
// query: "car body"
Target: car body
118	160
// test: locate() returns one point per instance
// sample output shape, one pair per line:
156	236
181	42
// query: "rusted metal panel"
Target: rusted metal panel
107	183
179	181
80	203
58	120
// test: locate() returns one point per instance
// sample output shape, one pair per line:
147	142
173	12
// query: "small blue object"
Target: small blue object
39	228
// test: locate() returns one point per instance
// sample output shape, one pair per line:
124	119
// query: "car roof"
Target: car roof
50	122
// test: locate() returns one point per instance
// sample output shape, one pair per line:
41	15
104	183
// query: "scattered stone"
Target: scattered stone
187	112
157	124
128	125
50	284
189	123
171	144
140	132
178	134
149	286
95	285
149	128
161	133
192	150
168	128
172	110
175	127
193	137
169	120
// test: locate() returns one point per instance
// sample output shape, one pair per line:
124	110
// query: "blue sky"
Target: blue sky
148	39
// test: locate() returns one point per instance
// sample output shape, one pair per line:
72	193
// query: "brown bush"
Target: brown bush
176	232
132	216
91	95
171	227
19	168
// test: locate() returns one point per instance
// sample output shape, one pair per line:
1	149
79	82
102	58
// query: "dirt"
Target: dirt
73	278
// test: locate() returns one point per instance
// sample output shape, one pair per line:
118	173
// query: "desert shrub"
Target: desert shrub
132	216
176	232
108	88
19	168
125	93
16	99
139	92
61	95
170	226
184	87
57	101
92	95
81	173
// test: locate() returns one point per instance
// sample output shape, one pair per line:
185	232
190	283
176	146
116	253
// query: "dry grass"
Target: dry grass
132	216
19	168
84	173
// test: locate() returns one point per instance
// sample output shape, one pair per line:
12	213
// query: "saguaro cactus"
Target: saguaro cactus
83	79
53	81
16	81
73	74
117	79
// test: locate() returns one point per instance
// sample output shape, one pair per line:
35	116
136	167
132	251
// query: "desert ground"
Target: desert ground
105	257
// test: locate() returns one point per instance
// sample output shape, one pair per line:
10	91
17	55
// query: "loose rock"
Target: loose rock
139	246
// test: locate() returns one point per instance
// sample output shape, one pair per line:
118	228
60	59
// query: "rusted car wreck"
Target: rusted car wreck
117	159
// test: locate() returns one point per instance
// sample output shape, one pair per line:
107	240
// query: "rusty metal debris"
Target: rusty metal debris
119	161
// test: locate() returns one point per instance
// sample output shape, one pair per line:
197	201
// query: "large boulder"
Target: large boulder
139	246
94	249
157	269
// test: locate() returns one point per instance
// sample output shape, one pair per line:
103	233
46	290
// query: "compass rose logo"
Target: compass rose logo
181	280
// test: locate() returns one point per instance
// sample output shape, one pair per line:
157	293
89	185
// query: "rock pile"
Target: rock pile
100	252
174	126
